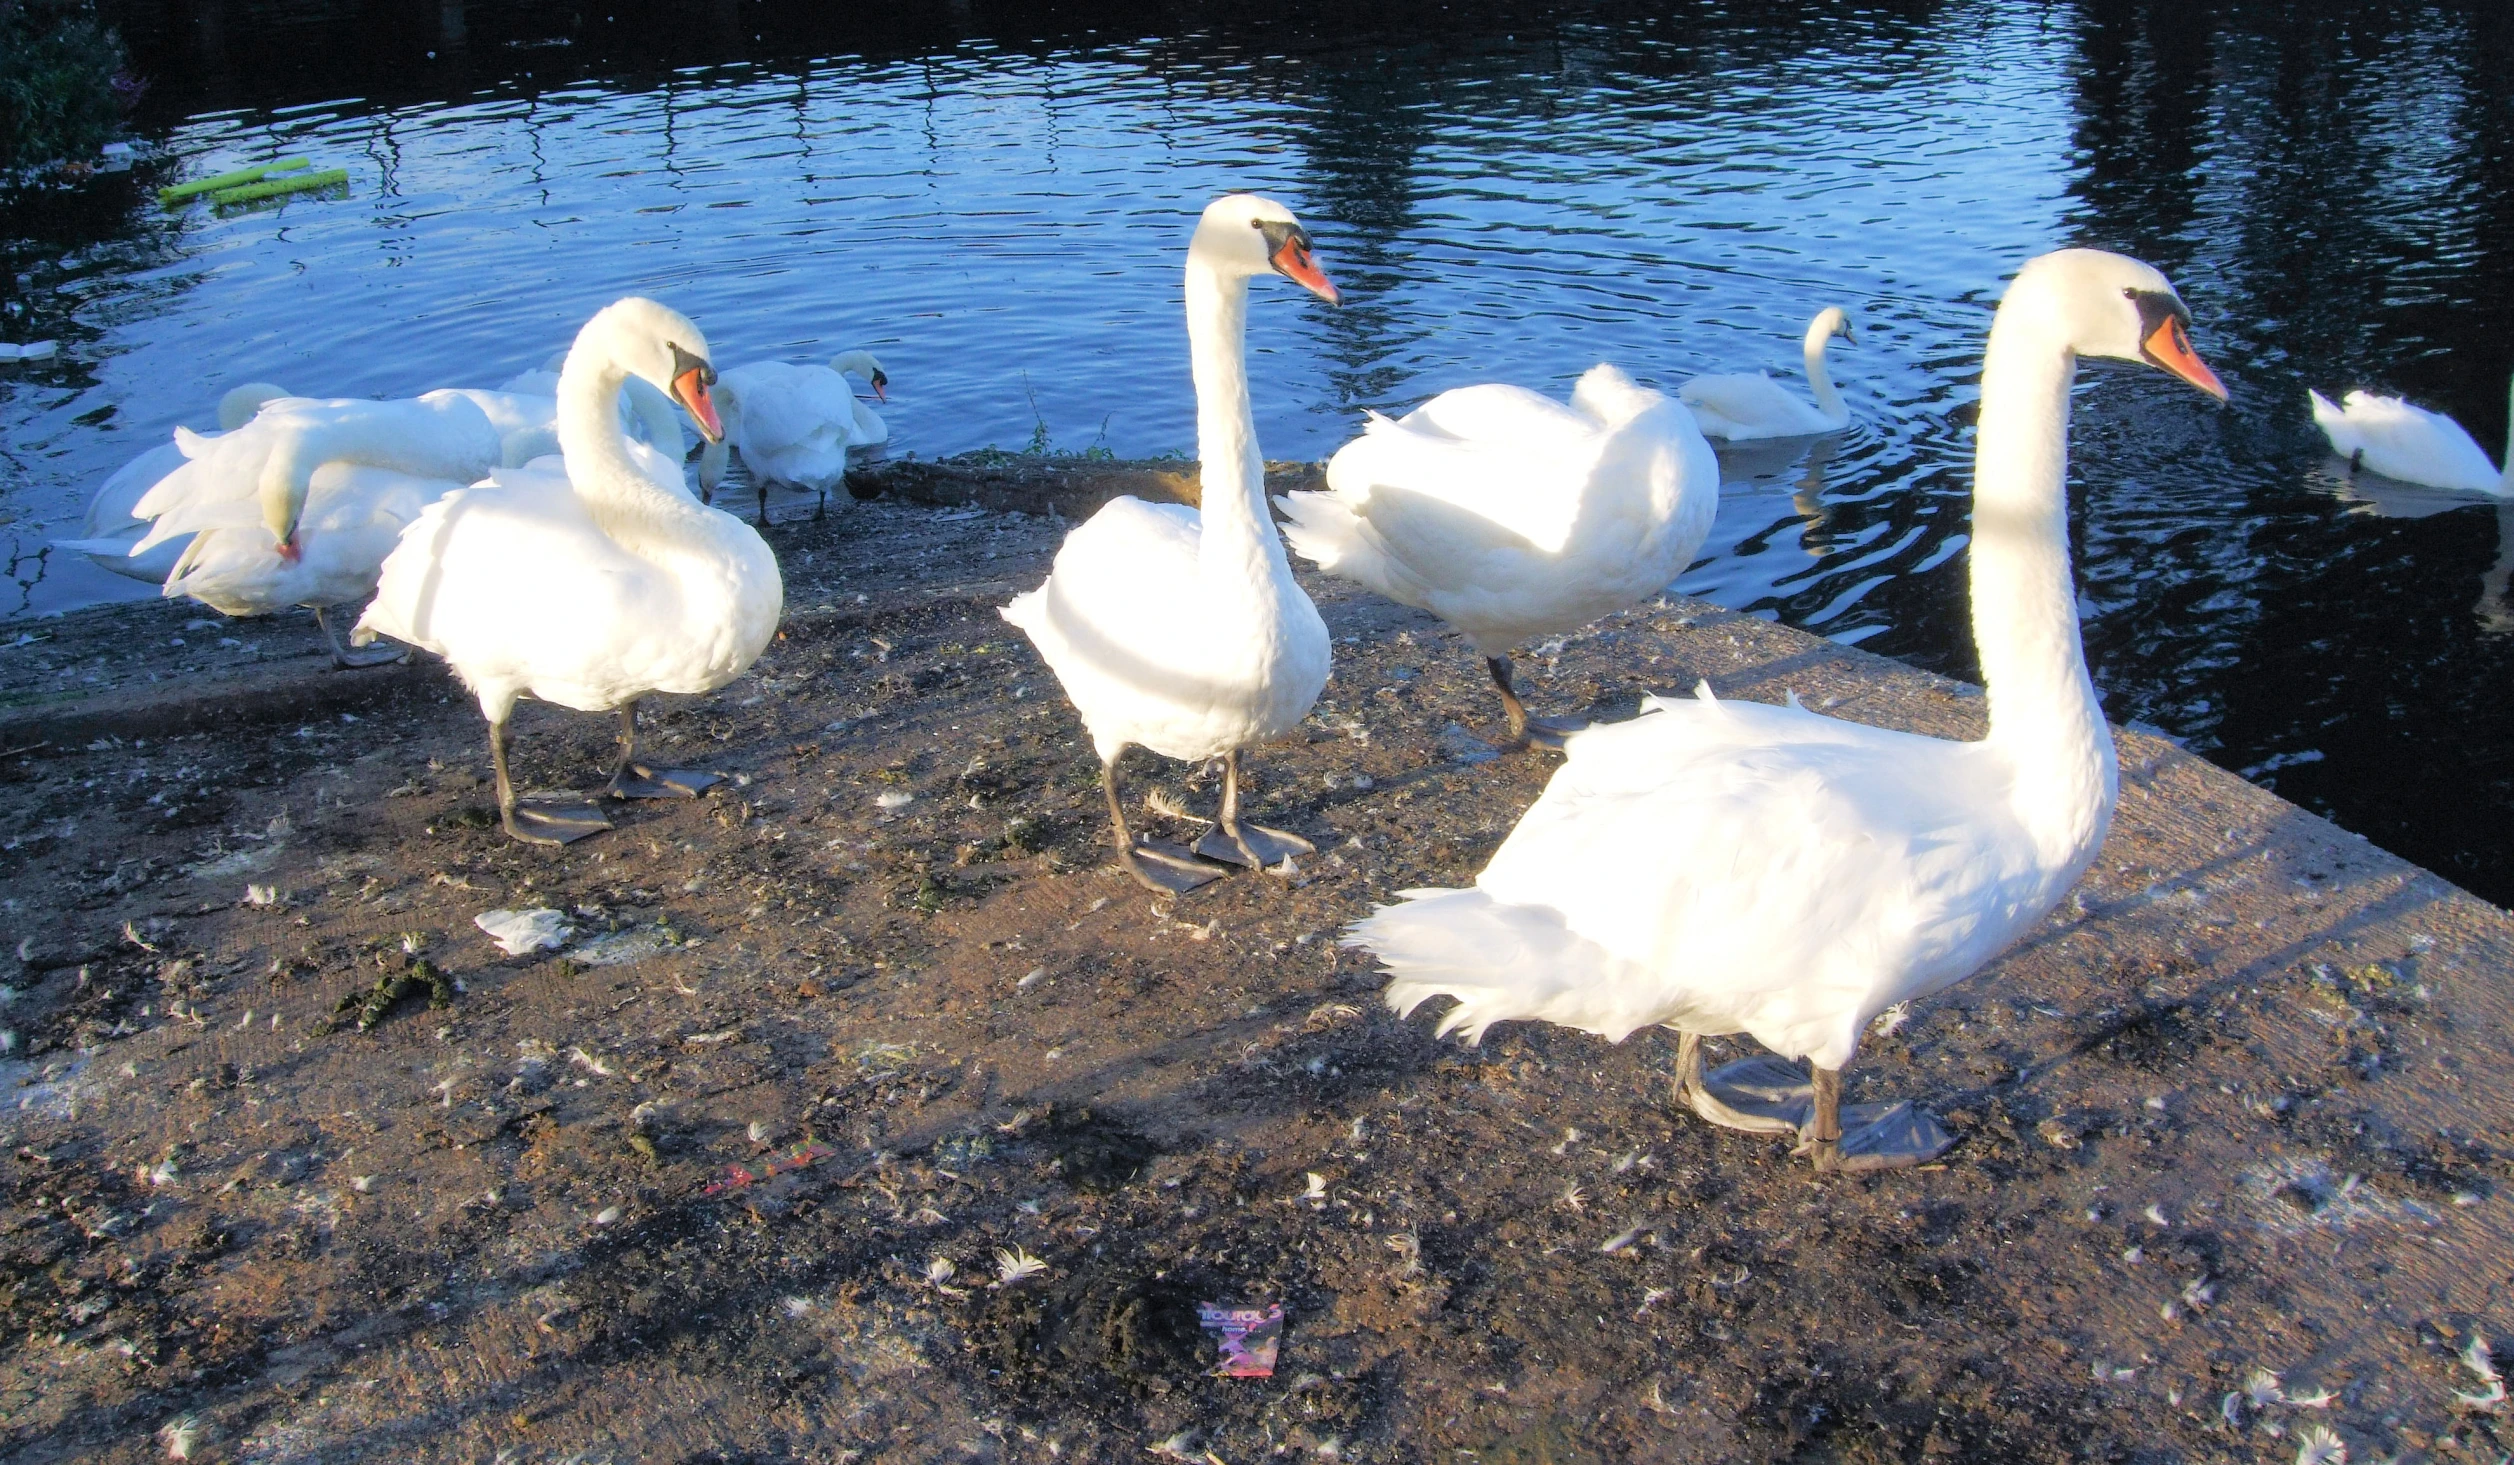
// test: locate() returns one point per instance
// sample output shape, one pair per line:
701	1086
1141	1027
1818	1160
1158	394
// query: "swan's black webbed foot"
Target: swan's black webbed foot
1167	869
1763	1095
555	822
360	658
1255	846
637	781
1548	732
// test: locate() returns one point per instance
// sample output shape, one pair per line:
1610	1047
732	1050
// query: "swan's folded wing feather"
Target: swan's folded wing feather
2402	440
1496	412
1455	491
1747	404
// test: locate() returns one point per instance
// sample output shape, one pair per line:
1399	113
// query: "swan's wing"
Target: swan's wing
1728	866
2401	440
1608	393
510	411
542	383
469	570
109	512
1522	484
1498	413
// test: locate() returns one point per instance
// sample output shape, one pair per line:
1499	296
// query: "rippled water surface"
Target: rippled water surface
995	203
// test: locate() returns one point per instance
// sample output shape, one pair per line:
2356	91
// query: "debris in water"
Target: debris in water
521	933
1249	1337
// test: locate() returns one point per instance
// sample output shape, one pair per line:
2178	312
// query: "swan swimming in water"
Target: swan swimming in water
2403	441
1721	867
1183	631
1513	516
592	583
1750	406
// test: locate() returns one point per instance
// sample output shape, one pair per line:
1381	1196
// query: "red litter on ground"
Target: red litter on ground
810	1152
1249	1337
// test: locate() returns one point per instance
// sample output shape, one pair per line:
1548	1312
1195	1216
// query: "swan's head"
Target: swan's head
863	364
658	343
1831	321
1244	235
237	407
2102	304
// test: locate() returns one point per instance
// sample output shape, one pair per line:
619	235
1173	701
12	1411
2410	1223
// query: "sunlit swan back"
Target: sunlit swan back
2407	442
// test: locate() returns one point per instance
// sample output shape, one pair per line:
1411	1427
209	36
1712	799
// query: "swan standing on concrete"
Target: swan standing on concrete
794	424
1746	406
2389	436
1721	867
1511	516
594	585
108	530
299	506
1180	631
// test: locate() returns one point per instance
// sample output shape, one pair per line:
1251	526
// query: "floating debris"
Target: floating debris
238	178
33	351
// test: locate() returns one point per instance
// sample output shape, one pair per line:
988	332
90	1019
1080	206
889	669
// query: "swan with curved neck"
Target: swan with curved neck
593	586
1722	867
1181	630
2399	440
1513	516
794	424
1748	406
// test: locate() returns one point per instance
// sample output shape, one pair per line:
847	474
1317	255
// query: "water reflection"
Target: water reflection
993	197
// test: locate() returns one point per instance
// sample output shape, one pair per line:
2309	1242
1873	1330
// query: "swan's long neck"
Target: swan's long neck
2043	712
1239	545
624	500
2505	469
1819	378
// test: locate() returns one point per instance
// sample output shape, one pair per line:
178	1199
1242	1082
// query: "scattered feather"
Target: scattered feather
1161	802
1570	1137
606	1215
1012	1264
1619	1240
2318	1399
1574	1199
1176	1447
1409	1250
798	1306
2156	1215
2262	1388
1316	1194
1890	1021
521	933
589	1062
894	800
363	1184
2317	1445
2476	1358
1031	978
181	1436
1651	1298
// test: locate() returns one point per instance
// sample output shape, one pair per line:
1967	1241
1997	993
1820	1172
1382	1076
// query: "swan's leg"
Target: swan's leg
1526	731
348	660
2356	460
1252	845
631	779
763	503
546	823
1880	1136
1164	868
1762	1095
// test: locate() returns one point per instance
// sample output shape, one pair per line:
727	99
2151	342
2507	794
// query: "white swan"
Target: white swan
794	424
108	530
2389	436
1511	516
1719	867
1180	631
594	585
525	413
300	506
1745	406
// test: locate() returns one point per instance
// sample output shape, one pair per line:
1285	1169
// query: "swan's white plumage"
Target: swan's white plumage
1724	867
2407	442
1511	515
793	423
349	473
591	580
1750	406
1178	630
108	529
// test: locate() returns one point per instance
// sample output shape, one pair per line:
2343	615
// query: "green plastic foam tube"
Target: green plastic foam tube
303	183
198	186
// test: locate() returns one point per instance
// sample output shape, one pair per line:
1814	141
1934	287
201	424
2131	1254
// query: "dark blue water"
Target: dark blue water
993	198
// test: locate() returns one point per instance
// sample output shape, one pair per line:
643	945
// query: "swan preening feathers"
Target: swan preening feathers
1512	516
793	424
1183	631
2399	440
1720	867
593	583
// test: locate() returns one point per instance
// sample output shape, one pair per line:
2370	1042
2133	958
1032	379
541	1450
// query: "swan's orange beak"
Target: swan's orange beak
881	389
288	549
690	390
1296	263
2169	346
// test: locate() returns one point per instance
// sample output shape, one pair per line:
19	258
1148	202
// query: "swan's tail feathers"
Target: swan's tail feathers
1608	393
1026	610
1500	962
1321	528
193	444
2326	413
